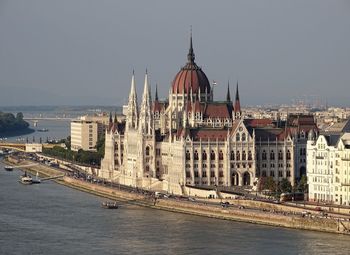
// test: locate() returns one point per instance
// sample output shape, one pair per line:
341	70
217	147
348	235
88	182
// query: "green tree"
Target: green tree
302	184
100	146
285	186
270	184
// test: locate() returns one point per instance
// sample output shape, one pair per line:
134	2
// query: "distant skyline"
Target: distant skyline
82	52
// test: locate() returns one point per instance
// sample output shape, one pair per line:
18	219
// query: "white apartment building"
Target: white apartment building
328	168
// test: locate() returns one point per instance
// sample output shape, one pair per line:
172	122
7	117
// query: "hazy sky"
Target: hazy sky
83	52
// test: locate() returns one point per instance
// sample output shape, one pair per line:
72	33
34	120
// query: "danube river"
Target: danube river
57	129
52	219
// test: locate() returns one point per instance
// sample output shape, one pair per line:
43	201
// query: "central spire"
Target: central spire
190	55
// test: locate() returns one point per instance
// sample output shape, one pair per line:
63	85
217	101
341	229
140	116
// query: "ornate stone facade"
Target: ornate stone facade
190	139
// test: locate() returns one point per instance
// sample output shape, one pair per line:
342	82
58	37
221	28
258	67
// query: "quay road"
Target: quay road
228	204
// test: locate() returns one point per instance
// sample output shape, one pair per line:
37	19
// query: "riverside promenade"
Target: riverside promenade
237	210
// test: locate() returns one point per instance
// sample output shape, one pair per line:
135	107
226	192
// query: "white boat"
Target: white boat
26	180
8	168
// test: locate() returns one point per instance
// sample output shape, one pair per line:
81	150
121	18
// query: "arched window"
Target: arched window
221	155
301	151
272	155
238	137
212	155
147	151
263	155
280	155
244	155
232	156
204	155
250	155
288	155
147	168
304	151
195	156
243	137
238	156
188	156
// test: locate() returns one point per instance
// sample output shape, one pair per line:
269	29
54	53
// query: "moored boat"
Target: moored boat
8	168
26	180
109	205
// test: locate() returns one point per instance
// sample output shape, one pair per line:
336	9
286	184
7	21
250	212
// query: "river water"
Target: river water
52	219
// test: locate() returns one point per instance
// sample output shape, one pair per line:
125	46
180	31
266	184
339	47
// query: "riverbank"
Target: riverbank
21	132
274	215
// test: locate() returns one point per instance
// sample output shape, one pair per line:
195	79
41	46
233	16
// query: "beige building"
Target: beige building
328	167
84	135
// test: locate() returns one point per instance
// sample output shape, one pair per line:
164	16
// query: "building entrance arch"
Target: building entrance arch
234	178
246	179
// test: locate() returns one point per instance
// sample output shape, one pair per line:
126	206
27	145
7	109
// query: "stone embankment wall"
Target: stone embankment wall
203	209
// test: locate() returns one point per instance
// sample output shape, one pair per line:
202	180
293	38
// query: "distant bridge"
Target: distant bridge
47	118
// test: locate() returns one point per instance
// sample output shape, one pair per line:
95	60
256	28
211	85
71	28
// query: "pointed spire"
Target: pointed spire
110	117
132	115
156	94
115	117
228	96
237	94
190	55
145	88
237	108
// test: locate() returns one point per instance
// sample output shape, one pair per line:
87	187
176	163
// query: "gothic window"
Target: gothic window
196	174
272	173
238	137
147	168
221	174
221	155
188	156
288	155
204	174
212	174
250	155
195	155
272	155
264	173
280	174
243	137
188	174
280	155
212	155
238	155
304	151
263	155
243	155
288	173
204	155
147	151
232	156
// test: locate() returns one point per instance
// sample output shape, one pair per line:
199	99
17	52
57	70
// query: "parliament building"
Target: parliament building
190	140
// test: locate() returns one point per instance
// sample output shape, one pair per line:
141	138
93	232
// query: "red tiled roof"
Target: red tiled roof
259	122
215	110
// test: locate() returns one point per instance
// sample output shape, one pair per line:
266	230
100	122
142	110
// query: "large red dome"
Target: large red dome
190	76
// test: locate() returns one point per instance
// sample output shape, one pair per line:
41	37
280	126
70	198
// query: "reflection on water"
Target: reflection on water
53	219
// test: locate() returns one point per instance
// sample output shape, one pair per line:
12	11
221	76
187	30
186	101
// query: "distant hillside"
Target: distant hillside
10	124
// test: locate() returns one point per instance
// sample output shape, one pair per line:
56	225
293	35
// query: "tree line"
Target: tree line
8	122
